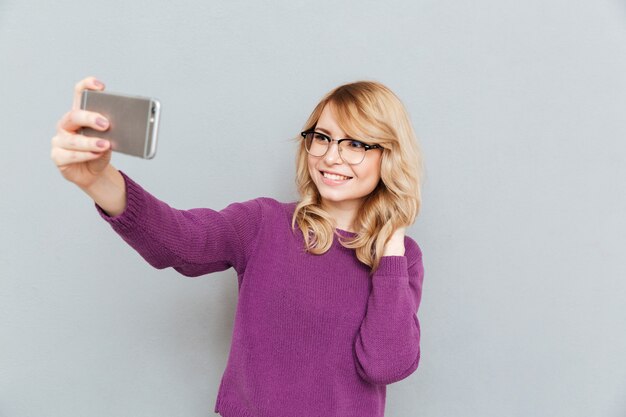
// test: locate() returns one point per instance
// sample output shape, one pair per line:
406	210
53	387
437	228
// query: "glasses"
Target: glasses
352	151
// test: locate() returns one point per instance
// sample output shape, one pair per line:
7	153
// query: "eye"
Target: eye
356	144
318	137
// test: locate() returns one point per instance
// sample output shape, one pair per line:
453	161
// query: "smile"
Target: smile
332	179
335	176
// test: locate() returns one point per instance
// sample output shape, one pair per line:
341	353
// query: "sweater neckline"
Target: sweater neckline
341	231
345	232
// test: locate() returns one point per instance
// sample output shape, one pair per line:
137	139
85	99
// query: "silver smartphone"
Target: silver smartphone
133	121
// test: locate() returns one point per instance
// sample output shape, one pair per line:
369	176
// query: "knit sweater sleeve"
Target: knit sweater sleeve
194	242
387	346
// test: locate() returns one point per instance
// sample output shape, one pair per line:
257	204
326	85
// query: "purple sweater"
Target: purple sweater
314	335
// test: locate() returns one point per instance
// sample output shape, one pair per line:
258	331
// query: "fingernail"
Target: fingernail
98	83
101	143
102	122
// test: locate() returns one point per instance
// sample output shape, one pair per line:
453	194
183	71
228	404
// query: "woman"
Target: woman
329	286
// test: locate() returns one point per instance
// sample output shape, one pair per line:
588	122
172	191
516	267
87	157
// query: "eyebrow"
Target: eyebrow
328	132
322	129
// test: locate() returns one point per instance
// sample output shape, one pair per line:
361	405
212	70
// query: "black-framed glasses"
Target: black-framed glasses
352	151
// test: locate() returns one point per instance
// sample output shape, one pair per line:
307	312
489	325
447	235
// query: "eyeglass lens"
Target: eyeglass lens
352	151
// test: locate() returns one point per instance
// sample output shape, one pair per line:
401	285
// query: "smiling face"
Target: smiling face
344	195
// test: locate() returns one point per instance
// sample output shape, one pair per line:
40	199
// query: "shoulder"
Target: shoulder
259	202
270	204
276	207
413	251
266	207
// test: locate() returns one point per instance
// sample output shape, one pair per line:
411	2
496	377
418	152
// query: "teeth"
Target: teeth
335	177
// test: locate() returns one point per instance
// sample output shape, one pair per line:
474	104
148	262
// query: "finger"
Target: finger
63	157
75	142
89	83
75	119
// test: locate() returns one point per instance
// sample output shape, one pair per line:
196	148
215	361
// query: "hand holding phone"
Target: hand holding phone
80	159
133	121
86	161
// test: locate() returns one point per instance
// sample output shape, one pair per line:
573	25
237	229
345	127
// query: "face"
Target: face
347	193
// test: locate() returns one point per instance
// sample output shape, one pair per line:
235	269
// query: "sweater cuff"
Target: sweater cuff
392	271
135	206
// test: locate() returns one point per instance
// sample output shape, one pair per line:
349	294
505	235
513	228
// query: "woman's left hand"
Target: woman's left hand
395	245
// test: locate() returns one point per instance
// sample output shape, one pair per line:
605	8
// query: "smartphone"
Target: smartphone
133	121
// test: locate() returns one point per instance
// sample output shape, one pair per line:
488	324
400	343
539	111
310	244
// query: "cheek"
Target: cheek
370	172
311	166
376	165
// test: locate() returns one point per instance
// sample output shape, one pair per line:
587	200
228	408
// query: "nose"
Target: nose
333	154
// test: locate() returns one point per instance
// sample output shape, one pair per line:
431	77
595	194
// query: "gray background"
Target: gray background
519	106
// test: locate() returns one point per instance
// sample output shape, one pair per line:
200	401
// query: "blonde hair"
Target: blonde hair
371	112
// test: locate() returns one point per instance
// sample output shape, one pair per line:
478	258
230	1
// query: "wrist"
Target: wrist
108	191
395	245
103	180
394	249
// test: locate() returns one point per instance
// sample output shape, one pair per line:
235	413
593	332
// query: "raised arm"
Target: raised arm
194	242
387	346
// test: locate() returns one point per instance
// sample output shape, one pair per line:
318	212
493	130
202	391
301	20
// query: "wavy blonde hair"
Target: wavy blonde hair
371	112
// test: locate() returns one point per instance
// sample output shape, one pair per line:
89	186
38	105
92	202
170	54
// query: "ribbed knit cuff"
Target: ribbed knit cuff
392	270
135	205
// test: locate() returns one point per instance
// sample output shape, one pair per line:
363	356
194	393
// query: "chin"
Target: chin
340	197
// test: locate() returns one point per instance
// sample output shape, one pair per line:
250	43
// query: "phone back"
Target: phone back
133	121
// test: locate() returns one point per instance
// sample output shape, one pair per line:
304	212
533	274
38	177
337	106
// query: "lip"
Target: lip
336	173
332	182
